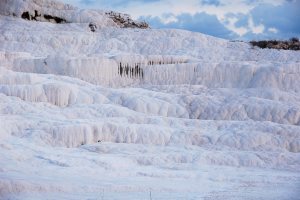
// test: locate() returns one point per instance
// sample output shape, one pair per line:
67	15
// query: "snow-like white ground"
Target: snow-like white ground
193	117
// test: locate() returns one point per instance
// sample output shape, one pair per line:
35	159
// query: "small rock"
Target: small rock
93	27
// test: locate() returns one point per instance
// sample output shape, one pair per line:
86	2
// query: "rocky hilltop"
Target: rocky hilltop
292	44
56	12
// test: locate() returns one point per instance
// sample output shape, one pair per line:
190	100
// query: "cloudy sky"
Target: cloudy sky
230	19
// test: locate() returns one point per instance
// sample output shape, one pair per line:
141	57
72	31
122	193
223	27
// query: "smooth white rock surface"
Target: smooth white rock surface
199	118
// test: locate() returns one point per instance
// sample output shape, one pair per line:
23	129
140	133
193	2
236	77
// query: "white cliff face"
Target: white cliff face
119	113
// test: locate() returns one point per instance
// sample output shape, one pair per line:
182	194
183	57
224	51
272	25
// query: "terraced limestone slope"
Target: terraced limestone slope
117	113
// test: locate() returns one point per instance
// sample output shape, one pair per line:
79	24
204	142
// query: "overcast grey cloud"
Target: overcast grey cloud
112	3
230	19
279	21
211	2
284	18
199	22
